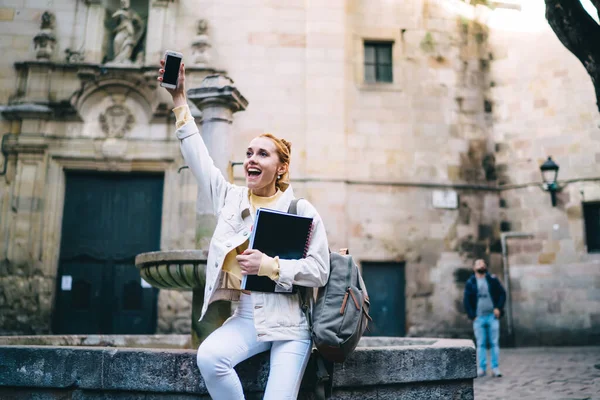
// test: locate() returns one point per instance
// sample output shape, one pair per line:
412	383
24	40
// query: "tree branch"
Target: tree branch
579	33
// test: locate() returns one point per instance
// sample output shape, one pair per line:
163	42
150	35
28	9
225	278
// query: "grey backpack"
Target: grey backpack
341	312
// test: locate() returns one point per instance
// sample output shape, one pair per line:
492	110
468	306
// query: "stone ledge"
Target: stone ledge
446	366
444	359
158	341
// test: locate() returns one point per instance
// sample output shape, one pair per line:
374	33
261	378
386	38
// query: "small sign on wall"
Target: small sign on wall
66	282
447	199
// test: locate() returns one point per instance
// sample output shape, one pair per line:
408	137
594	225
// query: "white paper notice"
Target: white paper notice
66	282
145	284
445	199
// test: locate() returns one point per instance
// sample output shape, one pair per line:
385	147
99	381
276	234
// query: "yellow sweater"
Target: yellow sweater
269	266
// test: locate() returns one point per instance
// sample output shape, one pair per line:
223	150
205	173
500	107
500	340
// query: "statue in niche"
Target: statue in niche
200	45
45	41
130	29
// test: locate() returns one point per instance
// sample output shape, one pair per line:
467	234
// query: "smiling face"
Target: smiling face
262	165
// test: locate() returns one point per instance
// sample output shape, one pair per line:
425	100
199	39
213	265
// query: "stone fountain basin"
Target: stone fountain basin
174	269
385	368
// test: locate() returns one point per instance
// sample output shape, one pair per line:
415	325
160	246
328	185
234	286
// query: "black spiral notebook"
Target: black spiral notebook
277	233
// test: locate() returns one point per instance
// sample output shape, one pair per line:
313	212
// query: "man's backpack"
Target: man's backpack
340	314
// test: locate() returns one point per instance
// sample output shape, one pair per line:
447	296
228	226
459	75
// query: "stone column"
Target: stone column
218	99
26	283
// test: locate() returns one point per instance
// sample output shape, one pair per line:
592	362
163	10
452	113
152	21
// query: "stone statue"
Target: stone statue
130	29
45	41
200	45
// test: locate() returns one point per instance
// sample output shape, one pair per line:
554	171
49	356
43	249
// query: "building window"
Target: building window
591	216
378	62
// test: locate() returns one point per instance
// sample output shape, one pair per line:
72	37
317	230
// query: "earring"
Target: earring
278	176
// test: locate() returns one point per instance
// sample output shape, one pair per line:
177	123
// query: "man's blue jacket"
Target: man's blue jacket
497	293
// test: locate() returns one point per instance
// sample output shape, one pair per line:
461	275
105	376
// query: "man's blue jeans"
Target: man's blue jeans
487	329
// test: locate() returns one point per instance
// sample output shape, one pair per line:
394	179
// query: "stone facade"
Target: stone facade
476	104
547	109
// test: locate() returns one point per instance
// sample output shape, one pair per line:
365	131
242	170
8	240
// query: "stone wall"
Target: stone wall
364	153
53	108
556	304
544	105
416	369
301	67
479	98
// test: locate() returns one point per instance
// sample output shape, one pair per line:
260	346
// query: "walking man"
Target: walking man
484	303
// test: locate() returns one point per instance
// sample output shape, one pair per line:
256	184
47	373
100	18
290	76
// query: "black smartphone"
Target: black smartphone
172	64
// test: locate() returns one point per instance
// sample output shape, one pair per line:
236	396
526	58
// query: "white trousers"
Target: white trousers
234	342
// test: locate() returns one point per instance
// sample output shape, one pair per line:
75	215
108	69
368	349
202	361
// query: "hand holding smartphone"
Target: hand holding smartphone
170	78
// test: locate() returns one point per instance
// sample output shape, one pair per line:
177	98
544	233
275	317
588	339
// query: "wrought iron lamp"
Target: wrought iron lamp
549	171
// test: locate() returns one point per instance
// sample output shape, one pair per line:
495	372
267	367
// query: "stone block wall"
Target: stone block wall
428	126
433	369
544	105
478	98
556	304
301	66
32	190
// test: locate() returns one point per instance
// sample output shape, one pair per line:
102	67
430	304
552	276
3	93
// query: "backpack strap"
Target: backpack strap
293	209
323	368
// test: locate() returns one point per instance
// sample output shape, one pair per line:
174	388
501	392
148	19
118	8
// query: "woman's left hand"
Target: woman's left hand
250	260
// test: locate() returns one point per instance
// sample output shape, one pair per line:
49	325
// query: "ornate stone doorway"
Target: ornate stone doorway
107	220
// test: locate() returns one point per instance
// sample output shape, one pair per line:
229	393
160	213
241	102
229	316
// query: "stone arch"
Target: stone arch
115	108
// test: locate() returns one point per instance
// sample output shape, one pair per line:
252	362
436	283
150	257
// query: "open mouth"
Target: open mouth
254	172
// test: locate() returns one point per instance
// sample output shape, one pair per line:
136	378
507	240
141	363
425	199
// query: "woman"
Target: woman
262	321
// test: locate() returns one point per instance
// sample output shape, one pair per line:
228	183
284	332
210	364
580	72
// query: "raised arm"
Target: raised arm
212	185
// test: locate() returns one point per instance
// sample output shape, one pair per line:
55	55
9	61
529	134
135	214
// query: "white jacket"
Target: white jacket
276	316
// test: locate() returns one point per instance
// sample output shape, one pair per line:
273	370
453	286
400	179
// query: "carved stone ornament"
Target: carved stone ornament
74	57
116	121
200	45
45	41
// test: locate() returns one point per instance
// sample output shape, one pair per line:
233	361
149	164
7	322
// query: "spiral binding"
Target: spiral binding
308	239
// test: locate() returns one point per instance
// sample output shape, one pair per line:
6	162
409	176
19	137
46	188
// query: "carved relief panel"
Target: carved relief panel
112	114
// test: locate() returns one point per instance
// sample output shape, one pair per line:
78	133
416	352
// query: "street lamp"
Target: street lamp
549	174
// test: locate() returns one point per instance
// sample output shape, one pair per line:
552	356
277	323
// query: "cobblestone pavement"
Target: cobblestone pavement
544	373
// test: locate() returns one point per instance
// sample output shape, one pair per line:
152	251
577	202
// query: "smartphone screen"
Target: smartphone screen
171	70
